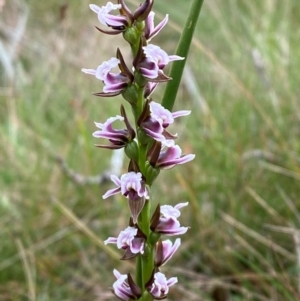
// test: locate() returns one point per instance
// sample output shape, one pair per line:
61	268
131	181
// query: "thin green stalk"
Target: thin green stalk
148	264
183	47
145	262
144	218
139	271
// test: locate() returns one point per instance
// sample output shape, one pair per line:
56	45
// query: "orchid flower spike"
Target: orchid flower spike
148	145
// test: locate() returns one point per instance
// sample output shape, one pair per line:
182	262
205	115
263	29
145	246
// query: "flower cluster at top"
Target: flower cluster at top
147	143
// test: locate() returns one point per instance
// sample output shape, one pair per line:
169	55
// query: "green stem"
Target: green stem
144	219
146	265
145	262
139	273
182	50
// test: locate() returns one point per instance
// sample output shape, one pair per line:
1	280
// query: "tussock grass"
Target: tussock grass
243	187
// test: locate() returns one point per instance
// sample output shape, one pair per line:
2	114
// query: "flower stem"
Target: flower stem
145	262
139	272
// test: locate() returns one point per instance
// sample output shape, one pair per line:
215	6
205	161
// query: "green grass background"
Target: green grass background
243	186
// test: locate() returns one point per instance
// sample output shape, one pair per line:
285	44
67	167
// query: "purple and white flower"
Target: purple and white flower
164	250
161	285
121	288
159	119
102	71
154	129
171	156
113	82
155	54
128	240
168	223
164	116
169	211
151	67
150	30
170	227
150	87
106	18
130	185
117	138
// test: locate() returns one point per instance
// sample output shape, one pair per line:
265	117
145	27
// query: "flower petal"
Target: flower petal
110	240
89	71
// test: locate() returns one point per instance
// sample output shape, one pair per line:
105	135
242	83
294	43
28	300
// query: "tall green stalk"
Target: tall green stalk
183	47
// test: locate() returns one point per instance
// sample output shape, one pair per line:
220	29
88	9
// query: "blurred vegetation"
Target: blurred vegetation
243	186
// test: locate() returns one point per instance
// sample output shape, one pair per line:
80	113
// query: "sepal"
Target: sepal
154	153
103	94
155	218
123	67
127	123
128	255
133	166
164	250
145	114
143	10
110	32
135	207
134	287
125	11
